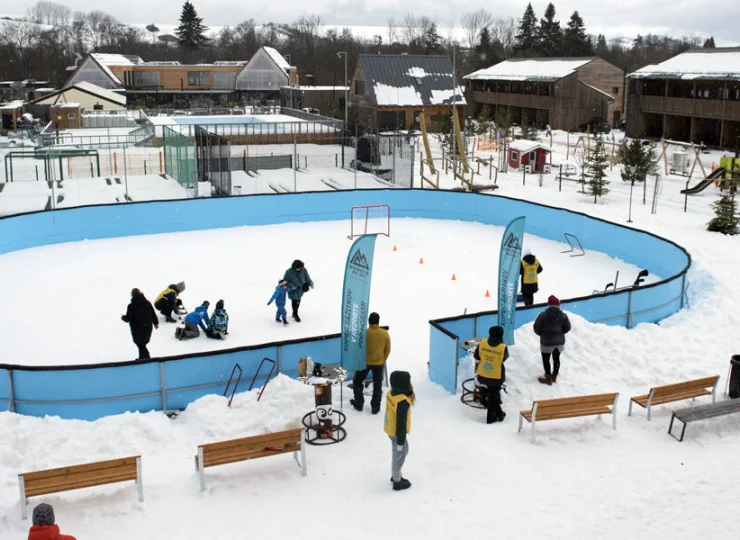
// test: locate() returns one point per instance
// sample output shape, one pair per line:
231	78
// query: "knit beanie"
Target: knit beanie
553	301
180	287
43	514
527	252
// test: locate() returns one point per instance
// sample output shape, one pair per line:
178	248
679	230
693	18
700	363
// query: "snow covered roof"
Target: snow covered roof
106	59
12	105
697	64
88	88
409	80
318	88
530	69
278	59
523	145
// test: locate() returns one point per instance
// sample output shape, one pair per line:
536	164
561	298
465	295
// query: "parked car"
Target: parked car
596	125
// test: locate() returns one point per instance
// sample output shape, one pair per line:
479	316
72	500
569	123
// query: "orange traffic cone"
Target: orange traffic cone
454	278
487	294
421	260
395	248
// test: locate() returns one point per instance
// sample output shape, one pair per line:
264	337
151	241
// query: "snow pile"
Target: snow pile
696	64
391	95
535	69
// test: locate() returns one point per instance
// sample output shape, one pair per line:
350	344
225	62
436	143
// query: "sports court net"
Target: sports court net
370	219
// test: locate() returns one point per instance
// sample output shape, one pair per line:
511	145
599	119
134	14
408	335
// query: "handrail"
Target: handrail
572	248
236	366
258	372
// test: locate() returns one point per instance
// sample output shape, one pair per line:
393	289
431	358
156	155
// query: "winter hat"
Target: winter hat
401	382
135	292
220	304
374	318
297	264
43	514
527	252
496	333
180	287
553	301
282	283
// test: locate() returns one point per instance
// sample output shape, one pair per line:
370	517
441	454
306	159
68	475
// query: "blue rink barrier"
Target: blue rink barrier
92	391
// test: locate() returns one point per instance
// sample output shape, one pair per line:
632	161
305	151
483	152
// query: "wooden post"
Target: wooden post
160	162
458	136
115	163
425	138
611	168
567	145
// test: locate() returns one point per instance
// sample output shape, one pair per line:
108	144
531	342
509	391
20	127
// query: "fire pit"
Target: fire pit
323	424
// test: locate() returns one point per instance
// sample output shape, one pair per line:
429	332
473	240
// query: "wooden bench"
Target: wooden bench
675	392
78	477
271	444
553	409
702	412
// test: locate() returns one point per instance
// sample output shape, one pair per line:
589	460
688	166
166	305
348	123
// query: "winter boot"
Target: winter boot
357	406
403	484
554	378
547	379
285	323
170	319
296	317
402	479
501	416
178	333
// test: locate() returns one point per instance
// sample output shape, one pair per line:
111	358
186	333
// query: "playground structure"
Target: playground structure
683	162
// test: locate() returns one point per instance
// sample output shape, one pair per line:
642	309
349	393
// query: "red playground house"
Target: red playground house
529	155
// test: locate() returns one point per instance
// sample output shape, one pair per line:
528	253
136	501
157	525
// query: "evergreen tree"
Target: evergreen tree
432	40
529	132
487	51
485	121
602	49
551	35
527	39
726	219
191	32
596	172
709	44
575	40
638	156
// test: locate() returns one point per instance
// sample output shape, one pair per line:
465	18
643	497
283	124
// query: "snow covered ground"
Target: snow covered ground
581	479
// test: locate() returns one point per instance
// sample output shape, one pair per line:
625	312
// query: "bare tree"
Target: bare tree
503	29
50	13
101	29
410	30
473	22
153	30
21	37
392	31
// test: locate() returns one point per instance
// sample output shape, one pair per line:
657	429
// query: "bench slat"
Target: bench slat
595	399
69	486
593	411
234	458
677	388
712	410
74	469
660	400
270	439
87	478
248	450
249	445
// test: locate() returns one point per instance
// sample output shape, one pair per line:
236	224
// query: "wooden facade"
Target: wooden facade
594	89
326	99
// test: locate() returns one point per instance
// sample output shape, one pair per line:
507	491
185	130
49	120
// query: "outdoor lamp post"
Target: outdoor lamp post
632	169
344	130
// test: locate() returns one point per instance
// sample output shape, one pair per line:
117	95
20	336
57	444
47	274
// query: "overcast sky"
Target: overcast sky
718	18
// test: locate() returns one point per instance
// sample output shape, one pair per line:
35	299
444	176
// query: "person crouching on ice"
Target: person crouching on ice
490	355
219	325
169	301
281	291
398	402
193	320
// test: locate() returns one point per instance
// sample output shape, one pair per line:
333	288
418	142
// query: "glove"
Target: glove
306	287
123	318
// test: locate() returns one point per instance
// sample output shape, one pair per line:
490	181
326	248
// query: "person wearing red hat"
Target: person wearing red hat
551	325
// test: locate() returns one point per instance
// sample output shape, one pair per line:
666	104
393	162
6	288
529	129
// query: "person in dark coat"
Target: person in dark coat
44	525
529	270
490	355
551	325
397	425
169	301
299	282
141	317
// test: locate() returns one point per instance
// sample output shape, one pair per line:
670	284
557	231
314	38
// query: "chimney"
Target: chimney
293	77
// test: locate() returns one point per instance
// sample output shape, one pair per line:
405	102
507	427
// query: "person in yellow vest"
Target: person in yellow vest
490	355
169	301
529	269
398	402
377	351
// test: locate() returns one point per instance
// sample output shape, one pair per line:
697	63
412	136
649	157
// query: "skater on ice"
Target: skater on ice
44	525
490	355
299	282
218	327
169	301
281	291
193	320
398	402
551	325
140	317
377	351
529	269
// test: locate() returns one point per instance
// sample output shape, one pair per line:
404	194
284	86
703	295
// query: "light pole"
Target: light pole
632	169
346	88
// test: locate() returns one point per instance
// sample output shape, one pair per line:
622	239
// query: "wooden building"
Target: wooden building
66	115
10	113
390	91
692	97
324	99
562	92
529	155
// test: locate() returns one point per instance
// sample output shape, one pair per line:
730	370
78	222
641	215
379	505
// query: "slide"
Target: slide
701	186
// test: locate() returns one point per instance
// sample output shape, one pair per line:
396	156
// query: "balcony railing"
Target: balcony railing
515	100
720	109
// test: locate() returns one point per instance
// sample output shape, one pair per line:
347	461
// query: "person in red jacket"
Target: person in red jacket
44	527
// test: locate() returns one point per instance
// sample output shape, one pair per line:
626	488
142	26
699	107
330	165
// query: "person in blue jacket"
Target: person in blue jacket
193	320
219	325
299	282
281	291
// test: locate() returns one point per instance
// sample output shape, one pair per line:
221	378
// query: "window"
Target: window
147	78
615	89
359	88
199	78
735	94
515	155
224	80
418	81
71	116
719	93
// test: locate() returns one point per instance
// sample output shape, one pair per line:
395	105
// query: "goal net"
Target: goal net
370	219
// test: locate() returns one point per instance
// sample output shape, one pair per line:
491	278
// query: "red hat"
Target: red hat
553	301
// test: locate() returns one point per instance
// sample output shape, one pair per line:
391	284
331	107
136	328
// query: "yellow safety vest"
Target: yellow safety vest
491	359
391	411
166	291
530	271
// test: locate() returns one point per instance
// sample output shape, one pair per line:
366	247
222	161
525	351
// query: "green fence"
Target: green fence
179	158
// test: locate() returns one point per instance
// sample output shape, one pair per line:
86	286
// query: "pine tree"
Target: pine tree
726	219
527	40
484	120
601	47
643	158
432	40
551	35
596	172
191	32
709	44
575	40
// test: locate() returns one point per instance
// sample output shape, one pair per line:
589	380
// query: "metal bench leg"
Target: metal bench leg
304	472
24	501
683	432
201	470
629	409
532	437
521	420
139	482
614	412
670	428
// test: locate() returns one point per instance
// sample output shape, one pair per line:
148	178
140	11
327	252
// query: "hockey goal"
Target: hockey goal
370	219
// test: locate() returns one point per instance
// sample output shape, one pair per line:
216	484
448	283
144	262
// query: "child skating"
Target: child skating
281	292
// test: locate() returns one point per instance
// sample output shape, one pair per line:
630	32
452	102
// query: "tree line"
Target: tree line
51	37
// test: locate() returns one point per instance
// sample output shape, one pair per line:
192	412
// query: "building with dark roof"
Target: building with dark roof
390	91
692	97
562	92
